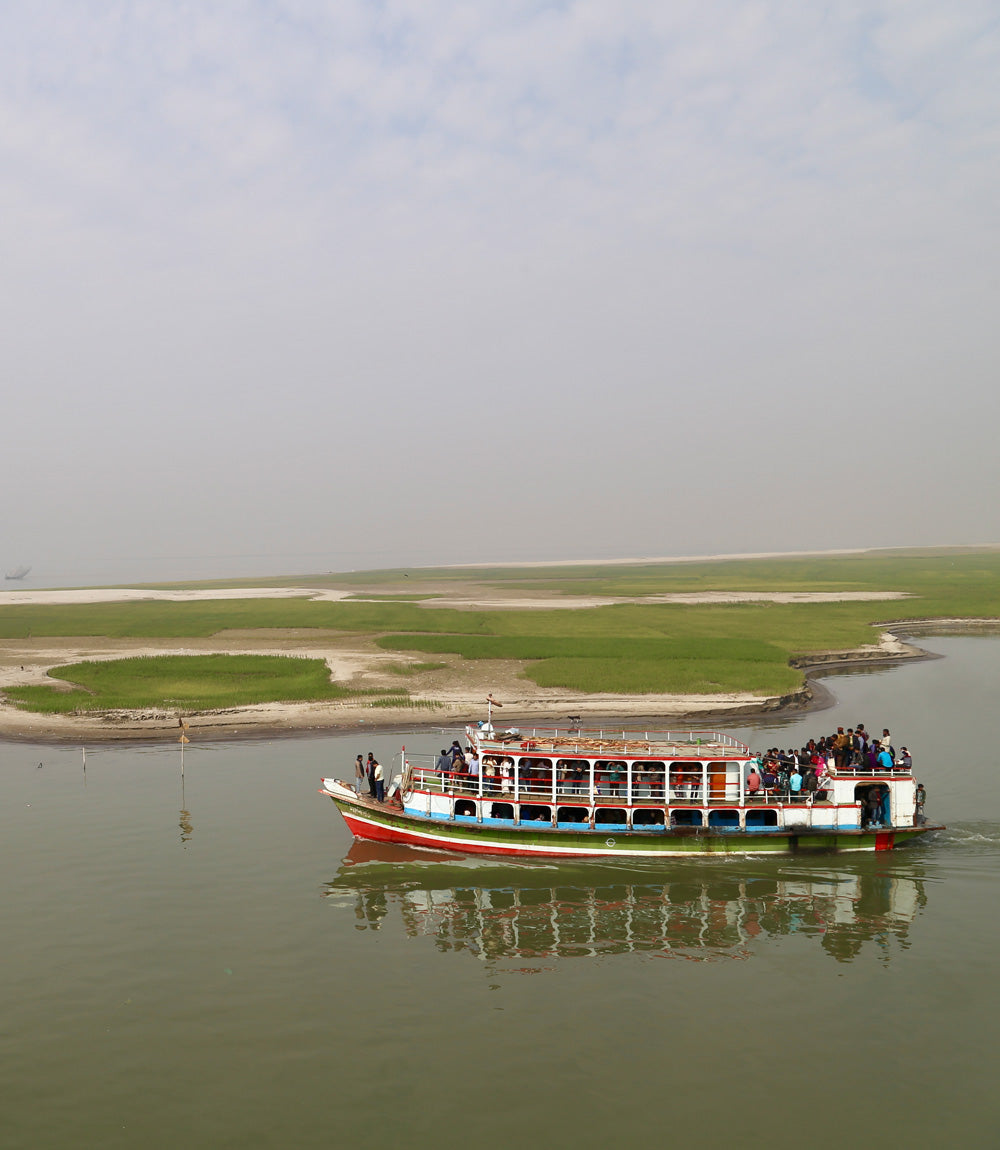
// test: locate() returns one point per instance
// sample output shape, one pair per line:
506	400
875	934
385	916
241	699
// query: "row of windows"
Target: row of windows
617	816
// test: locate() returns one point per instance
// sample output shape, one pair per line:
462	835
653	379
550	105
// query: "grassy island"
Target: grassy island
742	626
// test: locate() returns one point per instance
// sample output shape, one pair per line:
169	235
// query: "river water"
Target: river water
208	962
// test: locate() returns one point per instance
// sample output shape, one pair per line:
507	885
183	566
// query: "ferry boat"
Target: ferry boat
575	793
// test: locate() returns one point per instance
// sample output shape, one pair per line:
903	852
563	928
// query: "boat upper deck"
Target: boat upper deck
605	743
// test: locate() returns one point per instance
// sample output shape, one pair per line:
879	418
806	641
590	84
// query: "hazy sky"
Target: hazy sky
303	285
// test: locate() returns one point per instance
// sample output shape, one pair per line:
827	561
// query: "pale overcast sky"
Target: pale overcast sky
301	285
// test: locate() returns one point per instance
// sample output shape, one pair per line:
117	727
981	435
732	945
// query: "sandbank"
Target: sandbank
451	696
486	601
525	703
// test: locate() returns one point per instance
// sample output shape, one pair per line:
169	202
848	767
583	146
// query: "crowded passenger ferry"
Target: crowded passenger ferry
575	792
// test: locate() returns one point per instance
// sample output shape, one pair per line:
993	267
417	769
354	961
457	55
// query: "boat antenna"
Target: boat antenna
491	703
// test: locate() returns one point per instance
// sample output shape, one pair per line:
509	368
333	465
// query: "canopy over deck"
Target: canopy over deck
608	744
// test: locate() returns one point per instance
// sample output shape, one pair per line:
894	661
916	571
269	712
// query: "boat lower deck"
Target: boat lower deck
368	819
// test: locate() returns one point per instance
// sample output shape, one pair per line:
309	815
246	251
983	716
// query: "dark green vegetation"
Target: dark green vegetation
629	648
185	683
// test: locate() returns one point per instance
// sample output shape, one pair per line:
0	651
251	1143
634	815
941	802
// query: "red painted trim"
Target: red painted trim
884	840
382	834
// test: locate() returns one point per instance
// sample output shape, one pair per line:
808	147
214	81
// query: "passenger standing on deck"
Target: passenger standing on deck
919	798
840	748
443	764
359	774
370	768
795	783
379	777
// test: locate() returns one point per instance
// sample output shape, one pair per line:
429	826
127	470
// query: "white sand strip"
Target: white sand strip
137	595
484	603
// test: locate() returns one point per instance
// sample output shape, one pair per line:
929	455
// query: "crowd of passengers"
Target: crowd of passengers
802	775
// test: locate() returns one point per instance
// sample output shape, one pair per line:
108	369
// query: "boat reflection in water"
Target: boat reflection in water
529	912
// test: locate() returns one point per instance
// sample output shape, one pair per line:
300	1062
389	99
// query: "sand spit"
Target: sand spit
450	697
485	602
525	704
564	602
63	597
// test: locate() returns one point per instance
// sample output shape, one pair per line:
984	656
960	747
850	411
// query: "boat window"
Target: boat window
614	816
535	777
502	811
762	818
647	780
610	777
535	814
647	817
465	807
573	814
685	817
573	775
724	818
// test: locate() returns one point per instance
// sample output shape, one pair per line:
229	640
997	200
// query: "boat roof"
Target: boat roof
605	743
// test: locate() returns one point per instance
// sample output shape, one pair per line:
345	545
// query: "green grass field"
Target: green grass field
184	683
627	648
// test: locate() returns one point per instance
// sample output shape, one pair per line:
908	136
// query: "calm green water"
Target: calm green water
202	968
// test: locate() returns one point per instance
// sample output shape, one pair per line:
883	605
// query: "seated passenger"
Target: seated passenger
753	782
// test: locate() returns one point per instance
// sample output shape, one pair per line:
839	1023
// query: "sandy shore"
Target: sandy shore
486	602
525	703
457	691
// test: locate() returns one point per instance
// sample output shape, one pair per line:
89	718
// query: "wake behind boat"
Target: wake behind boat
561	793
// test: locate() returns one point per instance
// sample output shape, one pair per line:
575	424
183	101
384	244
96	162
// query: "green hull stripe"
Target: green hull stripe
695	841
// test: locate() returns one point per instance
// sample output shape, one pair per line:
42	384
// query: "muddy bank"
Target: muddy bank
538	706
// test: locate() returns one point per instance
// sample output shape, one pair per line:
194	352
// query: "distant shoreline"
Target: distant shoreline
288	720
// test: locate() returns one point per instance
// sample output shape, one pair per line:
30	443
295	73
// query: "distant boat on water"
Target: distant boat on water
17	573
